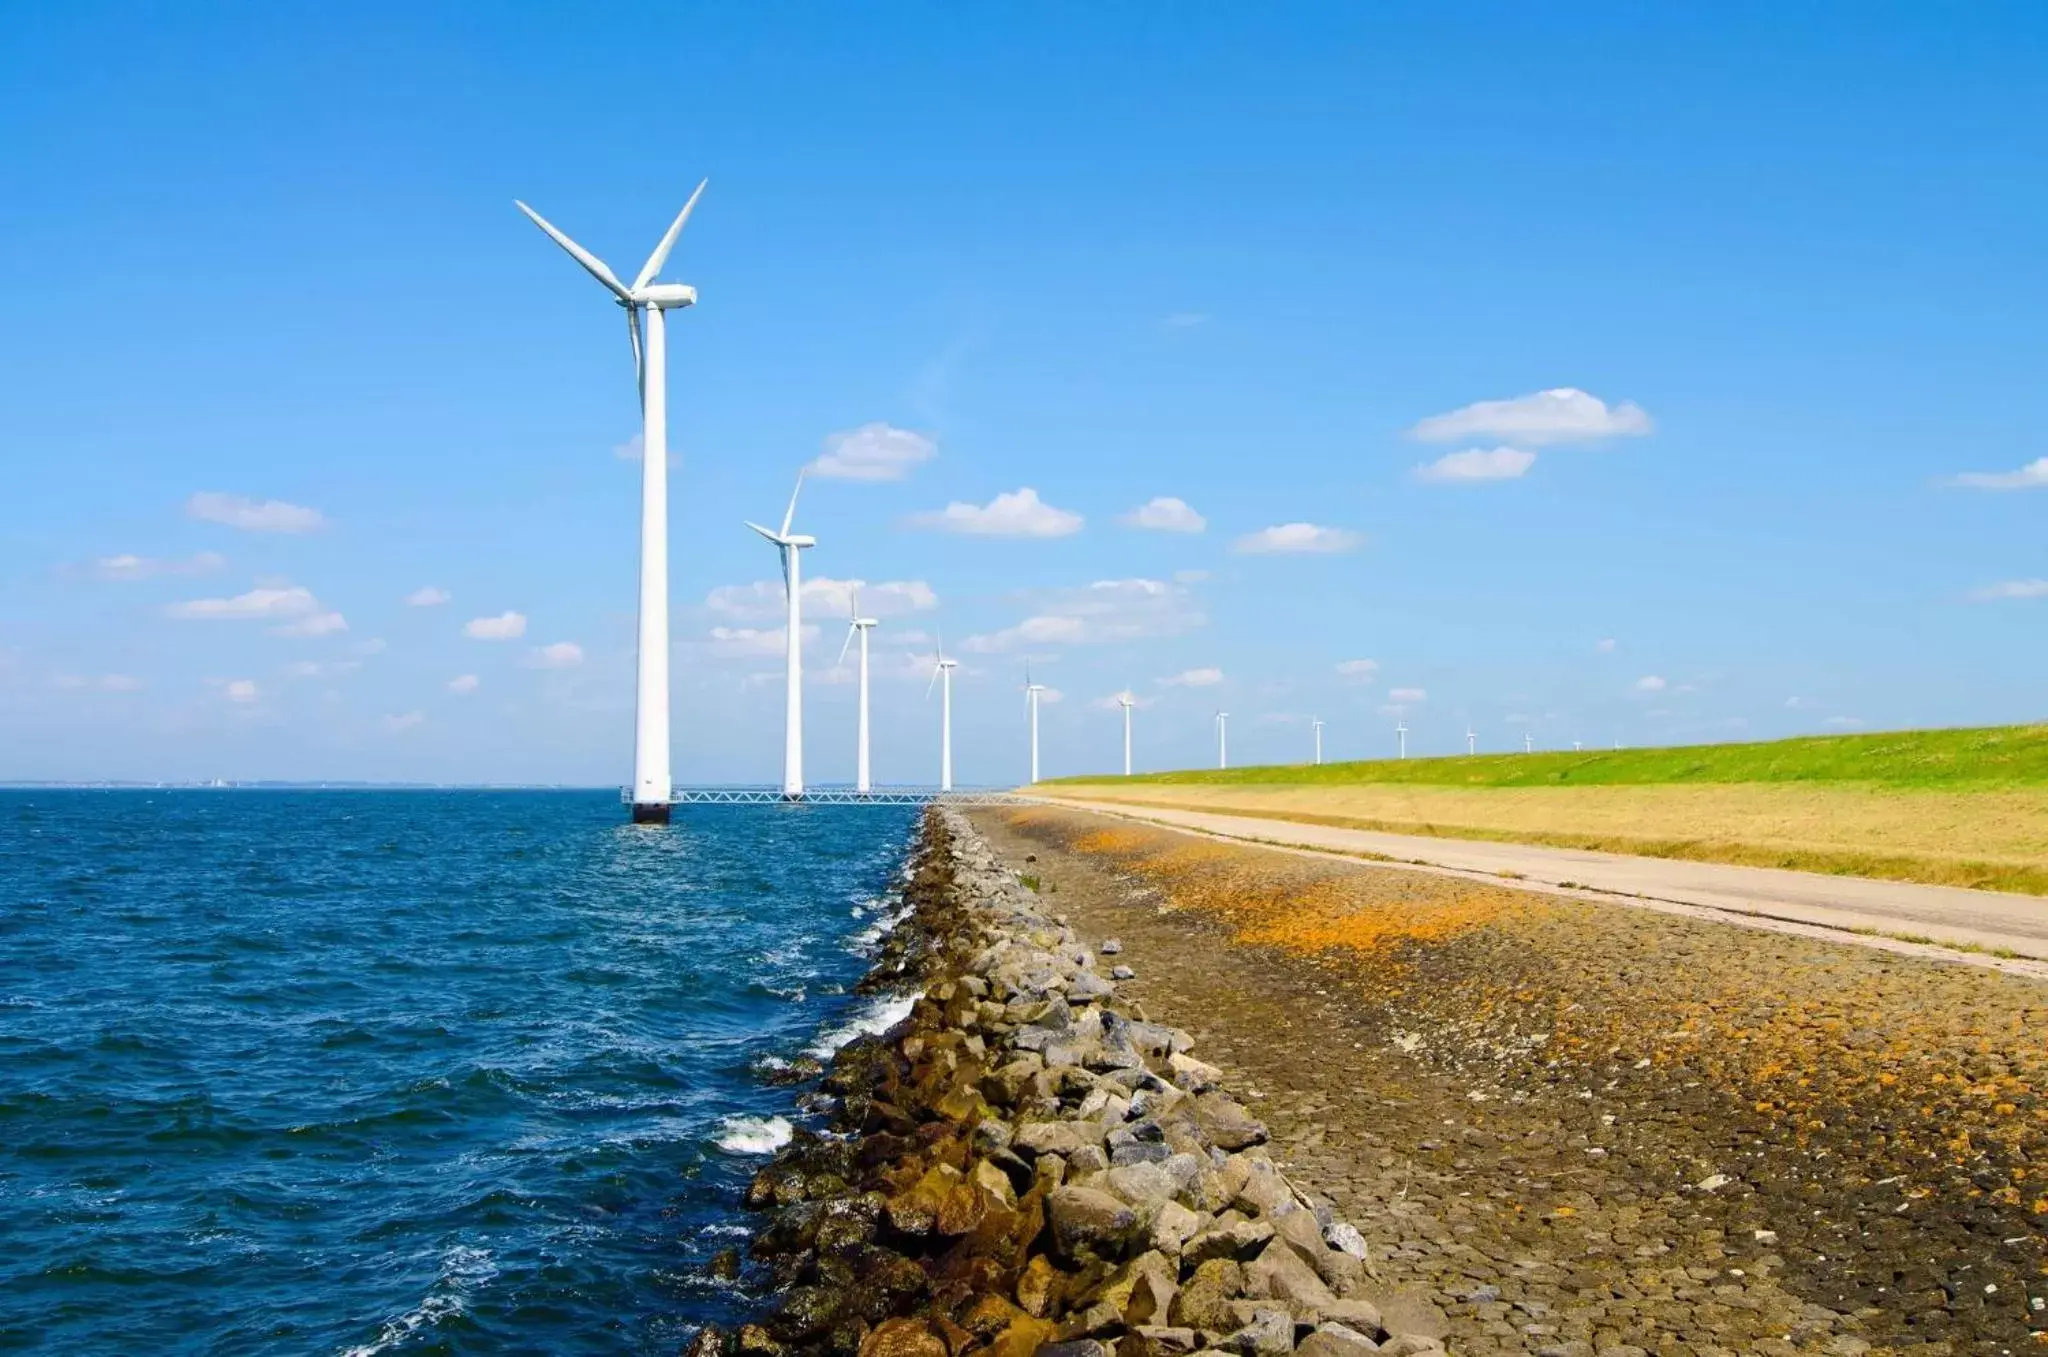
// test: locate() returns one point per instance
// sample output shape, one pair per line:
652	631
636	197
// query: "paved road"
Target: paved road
1985	919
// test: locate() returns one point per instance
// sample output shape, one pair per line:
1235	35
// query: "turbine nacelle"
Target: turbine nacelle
667	296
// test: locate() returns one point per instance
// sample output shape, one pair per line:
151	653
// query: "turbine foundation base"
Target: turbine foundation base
650	812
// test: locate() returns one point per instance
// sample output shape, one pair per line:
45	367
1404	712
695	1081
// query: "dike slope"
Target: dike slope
1027	1165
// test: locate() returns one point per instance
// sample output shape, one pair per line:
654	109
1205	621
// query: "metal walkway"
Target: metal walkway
837	796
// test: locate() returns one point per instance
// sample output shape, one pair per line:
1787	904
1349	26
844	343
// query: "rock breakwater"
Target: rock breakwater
1025	1164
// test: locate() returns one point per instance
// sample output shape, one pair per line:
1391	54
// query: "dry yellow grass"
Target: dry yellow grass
1993	839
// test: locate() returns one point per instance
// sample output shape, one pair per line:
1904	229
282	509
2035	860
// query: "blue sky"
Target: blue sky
279	354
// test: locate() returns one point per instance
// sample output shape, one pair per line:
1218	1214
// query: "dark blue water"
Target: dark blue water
405	1072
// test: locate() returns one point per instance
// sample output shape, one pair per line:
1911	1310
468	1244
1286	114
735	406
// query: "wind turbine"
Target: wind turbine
790	545
1528	743
857	625
644	302
1031	692
943	668
1315	726
1471	740
1123	699
1401	735
1222	739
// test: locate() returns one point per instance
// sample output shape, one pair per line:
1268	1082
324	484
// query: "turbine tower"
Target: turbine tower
1223	739
1315	726
942	669
1123	699
859	626
1401	734
645	302
1528	743
1471	740
790	545
1031	692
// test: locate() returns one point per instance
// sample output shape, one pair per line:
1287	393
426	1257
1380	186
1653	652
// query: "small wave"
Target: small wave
754	1135
878	1018
459	1268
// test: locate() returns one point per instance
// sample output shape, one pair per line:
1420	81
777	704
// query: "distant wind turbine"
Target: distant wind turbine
1401	735
859	626
1471	740
1031	692
1223	739
645	302
1315	726
942	672
789	545
1528	744
1123	699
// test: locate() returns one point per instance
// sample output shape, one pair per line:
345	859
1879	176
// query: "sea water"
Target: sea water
404	1071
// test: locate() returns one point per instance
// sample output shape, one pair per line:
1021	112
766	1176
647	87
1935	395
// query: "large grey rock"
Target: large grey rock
1270	1334
1087	1221
1173	1227
1226	1123
1410	1344
1345	1238
1353	1313
1299	1229
1280	1273
1237	1239
1336	1340
1056	1137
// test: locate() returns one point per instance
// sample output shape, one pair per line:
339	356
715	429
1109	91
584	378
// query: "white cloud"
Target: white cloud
239	511
2012	589
1164	513
1298	539
405	721
263	603
1562	415
1104	612
311	669
1193	678
427	596
243	691
1114	702
1650	683
558	655
1605	645
2032	476
1358	671
127	567
823	597
1015	513
754	642
506	626
463	684
873	452
1407	695
1476	464
1048	696
98	683
314	624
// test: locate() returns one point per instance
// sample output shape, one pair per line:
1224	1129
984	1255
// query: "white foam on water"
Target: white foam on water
460	1267
754	1135
877	1018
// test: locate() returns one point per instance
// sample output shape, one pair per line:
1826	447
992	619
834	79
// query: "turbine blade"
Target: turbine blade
789	514
843	647
660	255
933	684
639	362
582	256
853	607
771	536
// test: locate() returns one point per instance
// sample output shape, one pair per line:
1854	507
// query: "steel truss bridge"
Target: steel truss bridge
838	796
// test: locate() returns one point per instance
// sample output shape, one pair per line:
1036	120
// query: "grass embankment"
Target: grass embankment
1946	807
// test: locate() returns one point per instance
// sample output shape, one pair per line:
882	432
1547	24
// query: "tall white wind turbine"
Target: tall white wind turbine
1401	734
1223	739
1031	692
942	673
790	545
1471	740
1528	743
1315	725
1124	700
859	626
645	302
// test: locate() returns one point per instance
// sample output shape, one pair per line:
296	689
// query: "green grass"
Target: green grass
1991	757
